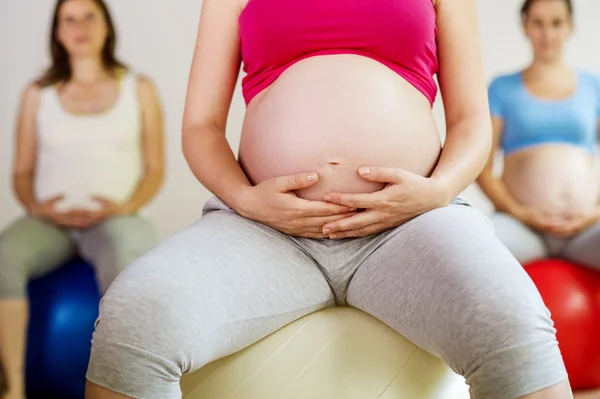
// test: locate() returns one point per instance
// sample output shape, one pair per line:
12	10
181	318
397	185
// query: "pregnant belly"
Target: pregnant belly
333	114
560	178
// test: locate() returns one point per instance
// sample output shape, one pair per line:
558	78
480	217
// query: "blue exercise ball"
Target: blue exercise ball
63	309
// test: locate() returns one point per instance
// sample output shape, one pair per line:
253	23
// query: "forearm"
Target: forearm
23	188
463	157
146	190
497	193
213	163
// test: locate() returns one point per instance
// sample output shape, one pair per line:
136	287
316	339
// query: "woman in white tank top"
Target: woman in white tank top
89	155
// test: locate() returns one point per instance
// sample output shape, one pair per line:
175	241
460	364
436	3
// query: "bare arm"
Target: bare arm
26	147
213	76
152	148
463	88
492	187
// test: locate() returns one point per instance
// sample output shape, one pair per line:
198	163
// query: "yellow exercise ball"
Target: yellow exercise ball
338	353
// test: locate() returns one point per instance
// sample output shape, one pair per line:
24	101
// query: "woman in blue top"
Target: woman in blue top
546	121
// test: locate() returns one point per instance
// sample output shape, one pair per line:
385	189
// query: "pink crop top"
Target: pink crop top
401	34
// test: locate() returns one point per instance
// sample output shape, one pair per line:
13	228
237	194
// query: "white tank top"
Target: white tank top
81	156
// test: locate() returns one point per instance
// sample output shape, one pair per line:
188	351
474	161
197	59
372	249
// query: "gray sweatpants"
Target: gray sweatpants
528	245
443	280
31	247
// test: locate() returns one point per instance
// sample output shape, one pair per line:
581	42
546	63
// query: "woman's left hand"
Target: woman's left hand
108	208
405	196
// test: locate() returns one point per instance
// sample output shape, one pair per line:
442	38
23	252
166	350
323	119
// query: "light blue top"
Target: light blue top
531	121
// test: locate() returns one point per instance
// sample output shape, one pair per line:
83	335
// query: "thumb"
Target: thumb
296	182
382	175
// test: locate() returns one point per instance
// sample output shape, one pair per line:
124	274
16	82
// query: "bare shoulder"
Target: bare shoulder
31	93
30	98
145	84
146	88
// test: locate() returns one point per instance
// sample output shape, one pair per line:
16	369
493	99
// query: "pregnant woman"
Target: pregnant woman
342	195
546	120
88	156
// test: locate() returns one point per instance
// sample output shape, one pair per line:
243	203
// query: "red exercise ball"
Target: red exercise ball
572	294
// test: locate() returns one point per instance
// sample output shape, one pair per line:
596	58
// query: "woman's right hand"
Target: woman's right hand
274	203
46	210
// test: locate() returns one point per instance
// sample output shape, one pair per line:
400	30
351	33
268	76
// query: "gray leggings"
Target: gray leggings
442	280
31	247
528	245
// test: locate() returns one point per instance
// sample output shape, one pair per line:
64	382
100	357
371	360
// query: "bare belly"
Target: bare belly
333	114
560	178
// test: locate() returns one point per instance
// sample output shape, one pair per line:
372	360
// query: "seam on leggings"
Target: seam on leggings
269	316
388	236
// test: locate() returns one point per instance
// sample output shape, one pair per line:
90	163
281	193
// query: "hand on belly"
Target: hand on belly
557	224
273	202
405	195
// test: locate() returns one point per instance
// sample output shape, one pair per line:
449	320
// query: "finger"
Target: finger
355	222
363	232
382	175
296	182
319	208
319	222
366	201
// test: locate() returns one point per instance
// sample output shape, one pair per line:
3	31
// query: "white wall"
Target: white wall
158	39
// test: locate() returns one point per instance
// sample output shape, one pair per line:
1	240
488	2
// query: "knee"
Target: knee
13	270
507	348
130	238
142	307
139	336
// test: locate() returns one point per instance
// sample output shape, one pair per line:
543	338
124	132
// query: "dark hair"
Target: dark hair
60	68
528	3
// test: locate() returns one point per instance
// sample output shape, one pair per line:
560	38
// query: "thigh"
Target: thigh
524	243
209	291
446	282
31	247
583	248
114	244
